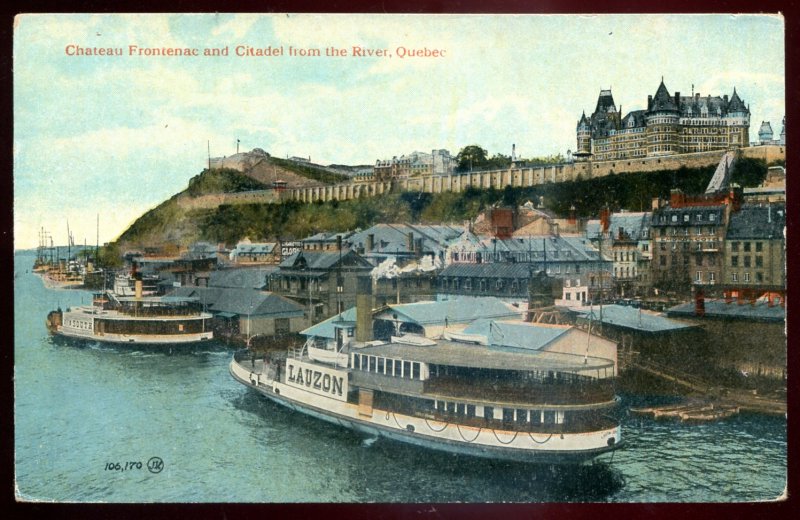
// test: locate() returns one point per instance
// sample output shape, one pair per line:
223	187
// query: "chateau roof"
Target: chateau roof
605	101
662	100
583	122
634	119
736	104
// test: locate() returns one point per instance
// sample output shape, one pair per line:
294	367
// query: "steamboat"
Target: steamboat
137	319
494	389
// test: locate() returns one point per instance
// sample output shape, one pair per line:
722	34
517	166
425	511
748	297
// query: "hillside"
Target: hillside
170	224
265	168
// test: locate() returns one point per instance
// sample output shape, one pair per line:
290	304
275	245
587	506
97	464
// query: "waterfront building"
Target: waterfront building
625	238
671	124
324	282
501	280
755	253
247	252
558	255
323	241
246	312
759	326
404	242
688	236
254	277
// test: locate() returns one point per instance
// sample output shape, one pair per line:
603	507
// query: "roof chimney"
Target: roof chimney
370	242
410	242
699	302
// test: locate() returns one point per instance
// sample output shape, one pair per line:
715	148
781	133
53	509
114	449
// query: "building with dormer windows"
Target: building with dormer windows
671	124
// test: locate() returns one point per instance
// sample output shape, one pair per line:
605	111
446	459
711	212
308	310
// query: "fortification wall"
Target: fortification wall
215	200
498	179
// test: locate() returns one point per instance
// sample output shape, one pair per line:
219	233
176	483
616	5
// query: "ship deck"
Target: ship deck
452	353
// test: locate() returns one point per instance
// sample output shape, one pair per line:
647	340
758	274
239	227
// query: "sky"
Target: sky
110	137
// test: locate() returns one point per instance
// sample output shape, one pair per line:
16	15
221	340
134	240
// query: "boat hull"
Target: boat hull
134	339
540	448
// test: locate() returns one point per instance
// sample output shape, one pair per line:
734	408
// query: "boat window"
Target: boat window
390	367
549	416
522	416
451	407
381	365
407	369
508	415
461	409
488	412
372	363
416	373
536	417
440	405
470	410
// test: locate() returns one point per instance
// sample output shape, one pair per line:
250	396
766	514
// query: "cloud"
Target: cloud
238	25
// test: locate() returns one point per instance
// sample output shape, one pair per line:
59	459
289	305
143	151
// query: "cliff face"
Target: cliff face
175	221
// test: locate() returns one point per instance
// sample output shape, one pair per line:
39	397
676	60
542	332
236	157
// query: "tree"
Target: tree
471	157
499	161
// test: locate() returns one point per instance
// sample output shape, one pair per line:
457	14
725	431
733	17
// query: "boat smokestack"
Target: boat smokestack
137	281
364	309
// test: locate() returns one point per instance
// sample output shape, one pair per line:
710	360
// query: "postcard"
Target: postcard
318	258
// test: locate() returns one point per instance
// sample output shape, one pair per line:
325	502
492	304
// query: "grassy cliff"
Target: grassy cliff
168	223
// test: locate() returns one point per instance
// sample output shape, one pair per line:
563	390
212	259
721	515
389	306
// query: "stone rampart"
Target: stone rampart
498	179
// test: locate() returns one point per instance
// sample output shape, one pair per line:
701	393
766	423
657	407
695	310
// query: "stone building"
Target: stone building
324	282
671	124
625	238
415	164
755	252
687	240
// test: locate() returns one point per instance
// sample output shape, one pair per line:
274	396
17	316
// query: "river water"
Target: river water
82	408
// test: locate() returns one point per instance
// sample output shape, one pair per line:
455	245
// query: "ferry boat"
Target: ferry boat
468	392
142	320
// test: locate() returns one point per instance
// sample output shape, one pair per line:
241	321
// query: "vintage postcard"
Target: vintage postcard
304	258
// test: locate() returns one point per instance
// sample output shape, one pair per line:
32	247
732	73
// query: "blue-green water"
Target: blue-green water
80	407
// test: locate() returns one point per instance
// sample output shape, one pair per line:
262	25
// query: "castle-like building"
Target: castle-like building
671	124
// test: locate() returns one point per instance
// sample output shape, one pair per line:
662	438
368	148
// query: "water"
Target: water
80	407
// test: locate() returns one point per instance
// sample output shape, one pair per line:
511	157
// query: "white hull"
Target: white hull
83	323
449	437
141	339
